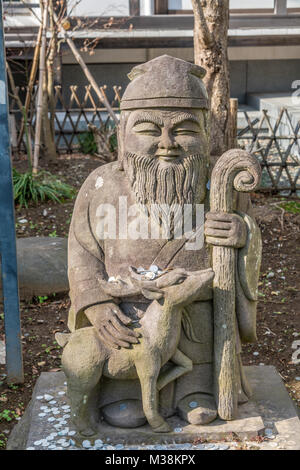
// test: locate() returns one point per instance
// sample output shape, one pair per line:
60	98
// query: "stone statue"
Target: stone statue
157	322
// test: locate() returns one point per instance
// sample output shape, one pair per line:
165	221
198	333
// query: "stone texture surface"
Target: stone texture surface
270	408
42	266
156	84
163	159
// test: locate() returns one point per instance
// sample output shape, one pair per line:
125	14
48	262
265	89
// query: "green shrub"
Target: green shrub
113	142
291	206
87	143
40	187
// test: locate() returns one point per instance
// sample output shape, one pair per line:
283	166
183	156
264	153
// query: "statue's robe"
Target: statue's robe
91	258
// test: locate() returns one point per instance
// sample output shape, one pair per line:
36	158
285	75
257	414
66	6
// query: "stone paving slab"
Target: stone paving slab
46	423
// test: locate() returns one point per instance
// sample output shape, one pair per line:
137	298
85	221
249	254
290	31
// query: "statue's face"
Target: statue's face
169	135
165	155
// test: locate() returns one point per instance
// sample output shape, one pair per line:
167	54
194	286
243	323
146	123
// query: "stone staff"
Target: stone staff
235	169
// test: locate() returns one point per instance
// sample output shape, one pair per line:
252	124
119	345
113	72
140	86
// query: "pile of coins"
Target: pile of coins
151	273
147	274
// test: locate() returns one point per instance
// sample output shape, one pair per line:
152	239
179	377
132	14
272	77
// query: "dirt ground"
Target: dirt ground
278	320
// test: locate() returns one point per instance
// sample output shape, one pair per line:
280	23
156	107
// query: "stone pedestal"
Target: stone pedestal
270	409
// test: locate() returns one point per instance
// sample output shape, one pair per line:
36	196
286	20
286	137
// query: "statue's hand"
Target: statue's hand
112	325
222	229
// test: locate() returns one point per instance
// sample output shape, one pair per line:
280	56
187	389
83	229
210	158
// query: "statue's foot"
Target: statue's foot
84	411
162	427
87	431
86	426
84	422
198	408
242	397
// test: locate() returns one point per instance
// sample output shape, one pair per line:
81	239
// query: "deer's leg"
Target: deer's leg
183	364
82	362
148	370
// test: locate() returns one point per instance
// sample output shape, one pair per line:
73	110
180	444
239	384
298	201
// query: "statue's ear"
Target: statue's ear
136	72
198	71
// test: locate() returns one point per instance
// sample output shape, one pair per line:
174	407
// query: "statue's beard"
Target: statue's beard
157	185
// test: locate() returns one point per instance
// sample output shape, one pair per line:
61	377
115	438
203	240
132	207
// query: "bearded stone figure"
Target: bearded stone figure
142	318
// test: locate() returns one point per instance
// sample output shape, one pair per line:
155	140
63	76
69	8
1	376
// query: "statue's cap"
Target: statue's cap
165	82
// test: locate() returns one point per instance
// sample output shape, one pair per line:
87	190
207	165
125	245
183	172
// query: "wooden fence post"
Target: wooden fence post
232	141
280	7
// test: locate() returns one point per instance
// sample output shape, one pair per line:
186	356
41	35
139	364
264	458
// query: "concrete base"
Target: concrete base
269	407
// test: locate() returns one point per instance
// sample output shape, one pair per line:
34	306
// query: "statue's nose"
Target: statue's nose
167	141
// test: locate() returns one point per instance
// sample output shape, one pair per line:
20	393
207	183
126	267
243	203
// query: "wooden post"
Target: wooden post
161	7
232	138
280	7
235	169
33	71
39	108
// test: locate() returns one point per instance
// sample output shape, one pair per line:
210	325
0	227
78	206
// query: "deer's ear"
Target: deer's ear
152	295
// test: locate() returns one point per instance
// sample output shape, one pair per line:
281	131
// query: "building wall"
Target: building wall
234	4
255	76
247	76
99	8
121	7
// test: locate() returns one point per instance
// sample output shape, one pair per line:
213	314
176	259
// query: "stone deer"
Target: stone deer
160	329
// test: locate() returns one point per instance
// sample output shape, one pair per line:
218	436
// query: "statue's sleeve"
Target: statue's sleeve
248	268
85	261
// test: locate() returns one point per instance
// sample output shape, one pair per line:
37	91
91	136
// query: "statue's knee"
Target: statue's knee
82	356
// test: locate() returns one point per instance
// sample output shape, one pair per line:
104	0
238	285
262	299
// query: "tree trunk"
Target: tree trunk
48	135
39	107
210	51
50	70
49	149
33	72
